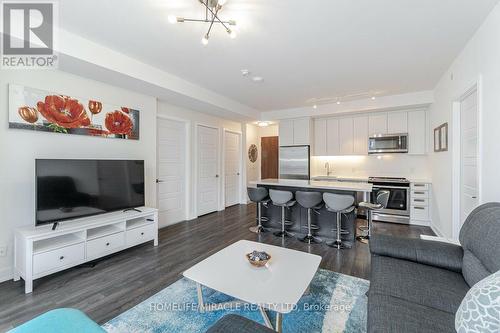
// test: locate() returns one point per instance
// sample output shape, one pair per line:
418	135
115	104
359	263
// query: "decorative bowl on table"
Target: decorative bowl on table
258	258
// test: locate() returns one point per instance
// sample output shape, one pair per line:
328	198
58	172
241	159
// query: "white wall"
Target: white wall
193	118
19	148
252	137
390	165
480	58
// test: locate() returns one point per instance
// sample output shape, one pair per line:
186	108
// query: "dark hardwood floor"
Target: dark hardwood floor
120	281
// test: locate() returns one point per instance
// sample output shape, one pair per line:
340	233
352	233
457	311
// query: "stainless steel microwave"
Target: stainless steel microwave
388	143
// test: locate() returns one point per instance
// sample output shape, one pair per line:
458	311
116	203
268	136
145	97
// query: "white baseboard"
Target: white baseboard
6	273
436	230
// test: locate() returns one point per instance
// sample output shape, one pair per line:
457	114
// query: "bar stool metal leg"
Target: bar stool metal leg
365	238
337	243
259	228
283	232
309	238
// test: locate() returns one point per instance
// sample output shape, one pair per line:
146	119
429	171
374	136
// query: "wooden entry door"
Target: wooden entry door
269	159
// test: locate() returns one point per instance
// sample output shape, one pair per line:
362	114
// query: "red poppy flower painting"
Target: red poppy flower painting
38	110
64	111
118	122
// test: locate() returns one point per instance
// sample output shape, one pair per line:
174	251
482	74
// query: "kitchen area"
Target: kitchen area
359	154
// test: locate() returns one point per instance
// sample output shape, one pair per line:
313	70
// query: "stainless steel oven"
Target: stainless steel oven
388	143
398	206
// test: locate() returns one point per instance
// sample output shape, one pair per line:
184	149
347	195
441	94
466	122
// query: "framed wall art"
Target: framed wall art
441	138
39	110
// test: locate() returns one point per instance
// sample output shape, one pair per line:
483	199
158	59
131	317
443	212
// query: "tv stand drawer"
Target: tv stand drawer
105	245
140	235
50	261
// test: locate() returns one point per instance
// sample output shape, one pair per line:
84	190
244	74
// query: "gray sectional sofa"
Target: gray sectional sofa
417	285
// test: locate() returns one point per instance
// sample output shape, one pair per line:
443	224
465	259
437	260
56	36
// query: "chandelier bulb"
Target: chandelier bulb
172	19
204	40
232	33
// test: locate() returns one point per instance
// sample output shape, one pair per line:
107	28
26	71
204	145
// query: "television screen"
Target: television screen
68	189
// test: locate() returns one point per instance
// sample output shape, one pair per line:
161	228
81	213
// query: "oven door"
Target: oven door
399	199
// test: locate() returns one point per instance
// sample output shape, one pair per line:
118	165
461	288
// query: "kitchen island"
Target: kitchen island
325	220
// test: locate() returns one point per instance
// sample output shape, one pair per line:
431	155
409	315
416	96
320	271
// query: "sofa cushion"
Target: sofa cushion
479	238
233	323
430	286
387	314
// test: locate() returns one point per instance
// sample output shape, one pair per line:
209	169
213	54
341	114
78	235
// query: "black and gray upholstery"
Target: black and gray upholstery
232	323
258	195
417	285
311	201
283	199
380	203
339	204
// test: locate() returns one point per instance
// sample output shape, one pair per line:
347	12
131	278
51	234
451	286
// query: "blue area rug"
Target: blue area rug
335	303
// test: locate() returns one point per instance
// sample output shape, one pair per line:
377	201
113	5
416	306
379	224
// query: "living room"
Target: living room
234	165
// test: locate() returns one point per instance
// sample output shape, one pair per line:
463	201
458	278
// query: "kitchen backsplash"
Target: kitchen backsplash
391	165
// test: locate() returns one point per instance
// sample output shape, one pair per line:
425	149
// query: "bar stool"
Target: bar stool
339	204
284	200
259	195
311	201
380	203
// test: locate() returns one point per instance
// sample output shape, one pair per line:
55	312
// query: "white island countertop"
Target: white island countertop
321	185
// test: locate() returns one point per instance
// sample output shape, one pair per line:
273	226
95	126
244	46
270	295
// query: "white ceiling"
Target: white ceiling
303	49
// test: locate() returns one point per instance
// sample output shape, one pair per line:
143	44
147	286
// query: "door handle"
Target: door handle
159	181
474	197
237	173
216	176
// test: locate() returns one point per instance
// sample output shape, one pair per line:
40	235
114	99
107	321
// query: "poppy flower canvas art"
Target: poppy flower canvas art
39	110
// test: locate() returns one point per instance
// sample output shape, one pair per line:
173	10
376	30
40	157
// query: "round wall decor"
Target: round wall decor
253	153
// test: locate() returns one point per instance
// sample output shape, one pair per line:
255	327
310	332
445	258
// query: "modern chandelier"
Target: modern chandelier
212	9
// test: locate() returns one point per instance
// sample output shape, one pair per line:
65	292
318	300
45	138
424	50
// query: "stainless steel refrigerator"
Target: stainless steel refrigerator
295	162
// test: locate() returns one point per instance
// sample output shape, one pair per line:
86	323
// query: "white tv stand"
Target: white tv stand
40	251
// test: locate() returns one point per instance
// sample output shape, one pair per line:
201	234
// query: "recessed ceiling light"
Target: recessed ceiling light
373	98
245	72
258	79
338	102
263	123
315	106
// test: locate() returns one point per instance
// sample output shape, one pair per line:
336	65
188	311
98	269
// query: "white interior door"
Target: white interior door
232	177
171	171
208	170
468	155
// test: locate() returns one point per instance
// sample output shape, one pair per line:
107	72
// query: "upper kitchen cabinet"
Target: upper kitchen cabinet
332	137
320	137
295	132
397	122
346	135
360	138
417	133
326	137
377	124
286	132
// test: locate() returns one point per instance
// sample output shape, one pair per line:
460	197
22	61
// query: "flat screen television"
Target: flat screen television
69	189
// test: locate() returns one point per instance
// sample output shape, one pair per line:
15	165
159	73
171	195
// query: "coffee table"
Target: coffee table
277	287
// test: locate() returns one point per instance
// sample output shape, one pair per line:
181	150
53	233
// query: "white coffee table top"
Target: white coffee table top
278	287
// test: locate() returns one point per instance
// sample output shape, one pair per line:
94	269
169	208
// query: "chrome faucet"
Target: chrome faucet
328	171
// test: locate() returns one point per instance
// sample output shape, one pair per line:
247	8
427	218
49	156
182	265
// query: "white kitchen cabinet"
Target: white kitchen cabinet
377	124
332	137
286	132
417	133
360	135
420	203
346	135
295	132
320	137
302	131
397	122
